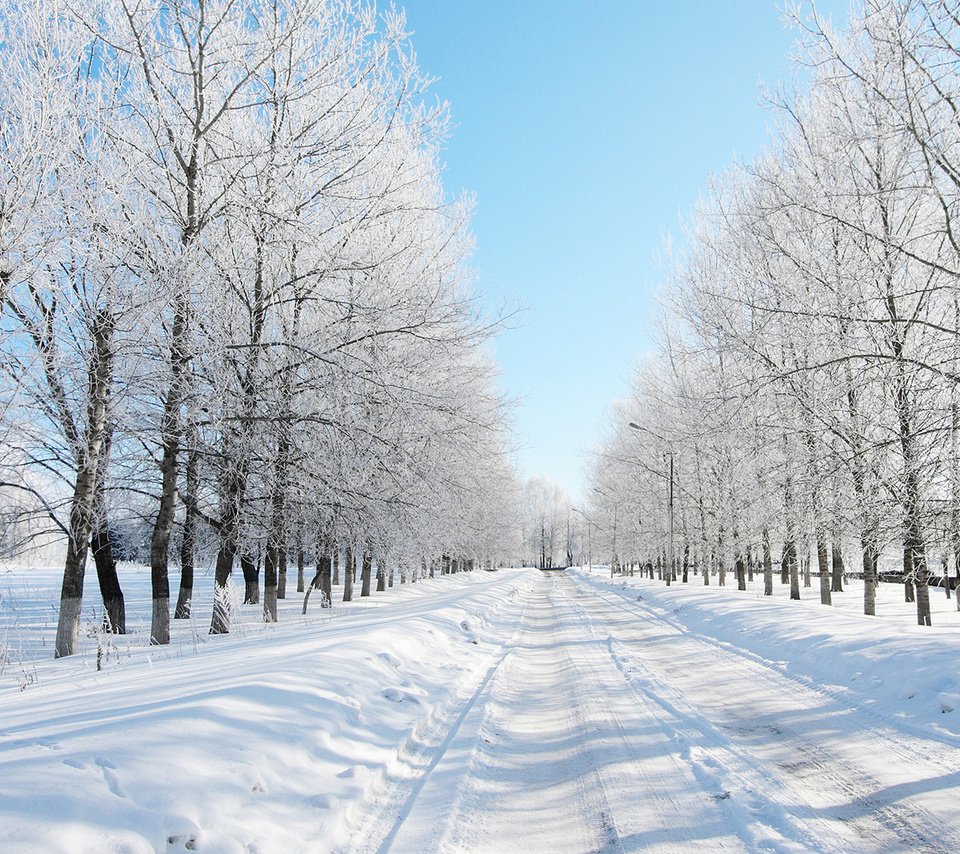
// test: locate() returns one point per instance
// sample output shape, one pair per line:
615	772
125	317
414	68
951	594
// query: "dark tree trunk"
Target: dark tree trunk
836	580
188	544
282	573
767	563
922	576
232	496
300	564
794	570
251	579
328	561
316	583
271	571
349	569
366	568
946	574
220	622
90	457
171	431
869	576
381	576
114	616
908	594
823	566
101	544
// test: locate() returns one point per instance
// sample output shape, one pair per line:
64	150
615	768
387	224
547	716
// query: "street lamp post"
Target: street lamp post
669	572
670	525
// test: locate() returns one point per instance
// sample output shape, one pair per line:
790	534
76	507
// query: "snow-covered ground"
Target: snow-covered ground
507	711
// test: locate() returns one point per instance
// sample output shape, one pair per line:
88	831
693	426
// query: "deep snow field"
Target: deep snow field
485	712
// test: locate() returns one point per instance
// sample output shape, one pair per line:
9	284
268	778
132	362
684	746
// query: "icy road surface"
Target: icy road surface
603	725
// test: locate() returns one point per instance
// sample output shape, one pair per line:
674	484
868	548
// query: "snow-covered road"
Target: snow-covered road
606	725
487	712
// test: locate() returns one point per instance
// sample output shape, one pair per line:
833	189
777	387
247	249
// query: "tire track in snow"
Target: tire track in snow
757	820
826	777
779	669
495	785
375	822
503	788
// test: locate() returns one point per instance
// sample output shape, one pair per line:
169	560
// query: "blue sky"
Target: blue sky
586	131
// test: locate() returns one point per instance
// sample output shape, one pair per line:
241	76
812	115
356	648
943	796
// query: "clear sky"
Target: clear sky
586	131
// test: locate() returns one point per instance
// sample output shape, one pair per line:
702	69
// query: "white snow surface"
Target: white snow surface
509	711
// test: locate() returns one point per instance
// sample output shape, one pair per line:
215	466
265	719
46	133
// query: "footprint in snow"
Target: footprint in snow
182	842
396	696
353	772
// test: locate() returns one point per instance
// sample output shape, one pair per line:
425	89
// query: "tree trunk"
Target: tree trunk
767	564
171	429
792	564
251	579
790	540
823	566
300	562
114	616
328	562
282	573
101	544
869	575
271	567
366	568
220	621
349	569
89	459
188	544
836	581
922	574
908	594
381	576
315	584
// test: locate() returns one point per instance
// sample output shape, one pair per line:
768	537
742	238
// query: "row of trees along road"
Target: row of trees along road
807	383
235	303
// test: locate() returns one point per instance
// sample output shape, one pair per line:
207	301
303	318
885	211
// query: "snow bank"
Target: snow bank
257	741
